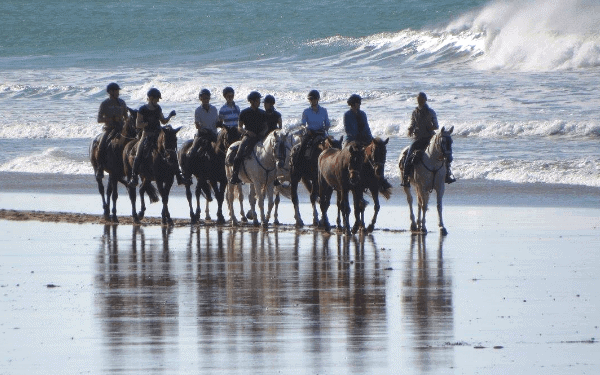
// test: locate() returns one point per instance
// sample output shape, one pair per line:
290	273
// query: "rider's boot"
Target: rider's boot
133	179
405	176
236	170
449	176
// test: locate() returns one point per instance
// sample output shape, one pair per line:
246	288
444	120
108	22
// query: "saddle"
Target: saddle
415	157
311	147
234	150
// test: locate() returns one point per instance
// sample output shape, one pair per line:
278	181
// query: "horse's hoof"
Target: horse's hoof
256	223
315	223
265	225
370	228
170	222
114	219
221	220
244	219
443	231
275	222
141	215
299	223
413	227
207	217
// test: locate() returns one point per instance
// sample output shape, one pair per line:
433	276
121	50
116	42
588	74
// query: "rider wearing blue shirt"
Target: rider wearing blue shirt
316	120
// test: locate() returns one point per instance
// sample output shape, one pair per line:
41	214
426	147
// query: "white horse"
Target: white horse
259	171
429	174
282	151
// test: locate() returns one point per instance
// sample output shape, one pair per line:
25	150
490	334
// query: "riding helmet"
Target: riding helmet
269	99
154	93
112	86
228	90
354	98
422	95
254	95
314	94
204	92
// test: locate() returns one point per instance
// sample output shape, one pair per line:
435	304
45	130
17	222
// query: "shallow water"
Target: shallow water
515	294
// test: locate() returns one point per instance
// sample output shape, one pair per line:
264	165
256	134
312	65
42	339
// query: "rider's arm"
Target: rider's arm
164	120
326	123
434	121
102	114
413	124
139	122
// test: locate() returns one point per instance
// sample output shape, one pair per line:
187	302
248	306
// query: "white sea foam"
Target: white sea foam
52	160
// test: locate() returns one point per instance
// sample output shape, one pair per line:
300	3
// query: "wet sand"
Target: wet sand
511	289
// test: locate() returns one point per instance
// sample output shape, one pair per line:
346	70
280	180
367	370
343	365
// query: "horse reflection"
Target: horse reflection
428	302
137	296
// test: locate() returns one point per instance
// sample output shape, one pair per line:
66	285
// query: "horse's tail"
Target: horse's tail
152	193
385	189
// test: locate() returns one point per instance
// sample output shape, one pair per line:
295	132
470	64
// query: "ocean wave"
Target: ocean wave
52	160
537	35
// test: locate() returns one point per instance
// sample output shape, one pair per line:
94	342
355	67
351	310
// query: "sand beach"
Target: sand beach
512	289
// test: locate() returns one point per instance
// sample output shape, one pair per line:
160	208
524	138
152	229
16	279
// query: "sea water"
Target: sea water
518	80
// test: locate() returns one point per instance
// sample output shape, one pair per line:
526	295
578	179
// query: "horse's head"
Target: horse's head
280	149
375	154
357	157
445	143
167	140
228	136
129	130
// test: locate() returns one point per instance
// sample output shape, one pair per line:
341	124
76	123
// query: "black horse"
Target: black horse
113	165
159	165
307	171
209	169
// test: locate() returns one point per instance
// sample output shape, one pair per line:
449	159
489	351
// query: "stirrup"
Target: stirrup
450	179
405	183
235	180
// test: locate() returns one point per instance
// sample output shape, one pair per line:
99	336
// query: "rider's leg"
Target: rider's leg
102	154
407	168
133	179
237	162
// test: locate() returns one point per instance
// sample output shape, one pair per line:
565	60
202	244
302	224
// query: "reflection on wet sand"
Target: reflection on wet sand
427	301
236	300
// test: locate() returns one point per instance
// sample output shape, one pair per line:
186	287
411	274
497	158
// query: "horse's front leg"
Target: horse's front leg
132	197
294	180
219	189
423	203
314	195
324	201
440	195
105	206
269	190
115	194
359	210
142	200
252	196
188	195
259	195
276	212
164	189
230	197
376	207
346	211
409	199
240	194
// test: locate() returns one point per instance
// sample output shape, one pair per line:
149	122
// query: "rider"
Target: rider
149	119
206	118
316	120
113	114
229	113
254	121
273	117
355	122
422	127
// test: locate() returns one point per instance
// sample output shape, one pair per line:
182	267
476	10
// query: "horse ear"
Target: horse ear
386	141
178	129
443	129
451	129
342	139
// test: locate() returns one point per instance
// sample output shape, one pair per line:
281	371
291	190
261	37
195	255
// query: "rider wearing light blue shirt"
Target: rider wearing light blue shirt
316	120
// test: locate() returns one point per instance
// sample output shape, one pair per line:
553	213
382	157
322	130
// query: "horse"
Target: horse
113	165
373	180
285	142
429	174
340	170
259	171
307	172
209	169
160	165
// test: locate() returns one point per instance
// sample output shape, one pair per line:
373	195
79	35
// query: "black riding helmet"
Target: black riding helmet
354	98
269	99
112	86
314	94
154	93
204	92
254	95
228	90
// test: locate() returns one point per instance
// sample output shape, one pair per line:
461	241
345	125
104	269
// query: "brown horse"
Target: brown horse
373	180
307	172
209	169
113	165
159	165
340	170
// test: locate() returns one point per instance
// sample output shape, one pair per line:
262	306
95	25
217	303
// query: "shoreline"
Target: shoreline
463	192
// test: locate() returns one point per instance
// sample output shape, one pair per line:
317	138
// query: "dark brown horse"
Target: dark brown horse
209	169
373	180
160	165
113	165
340	170
307	172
